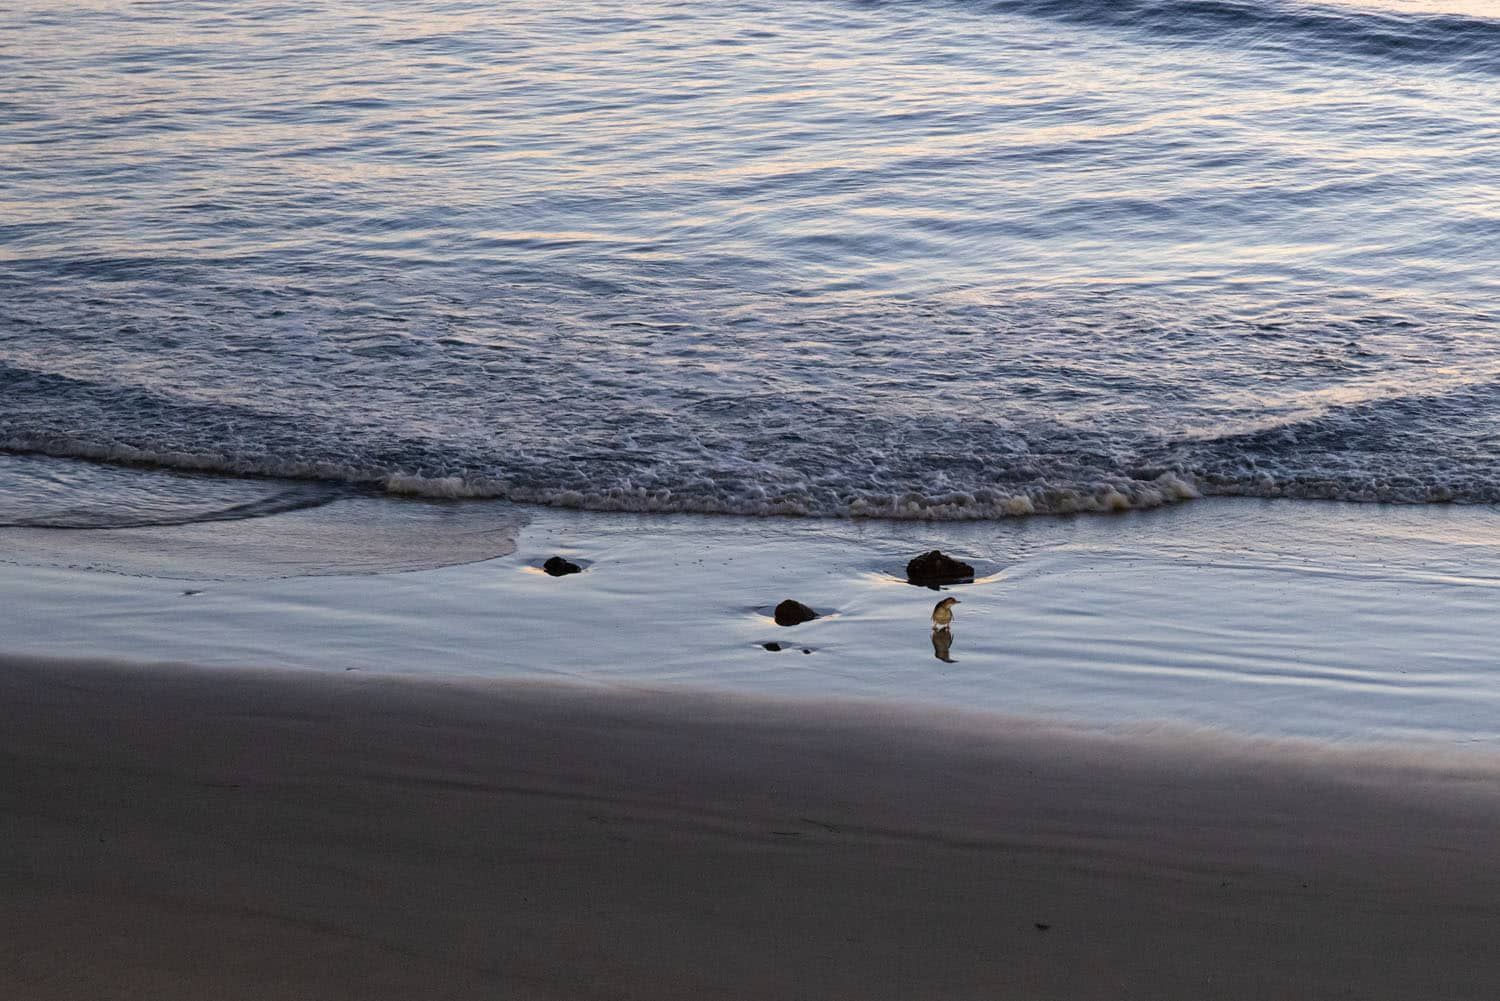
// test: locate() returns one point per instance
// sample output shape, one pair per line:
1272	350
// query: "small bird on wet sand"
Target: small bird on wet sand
942	613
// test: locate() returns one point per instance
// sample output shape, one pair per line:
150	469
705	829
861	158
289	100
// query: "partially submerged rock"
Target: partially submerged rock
793	613
773	647
559	567
935	568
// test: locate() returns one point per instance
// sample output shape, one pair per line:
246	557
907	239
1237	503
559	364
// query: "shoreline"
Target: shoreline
1338	623
185	833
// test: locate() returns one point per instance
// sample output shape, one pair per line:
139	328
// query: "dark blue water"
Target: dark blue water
918	258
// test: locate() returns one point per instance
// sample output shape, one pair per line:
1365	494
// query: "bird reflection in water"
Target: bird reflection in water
942	644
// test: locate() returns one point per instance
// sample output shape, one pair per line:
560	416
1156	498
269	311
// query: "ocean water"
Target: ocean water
915	258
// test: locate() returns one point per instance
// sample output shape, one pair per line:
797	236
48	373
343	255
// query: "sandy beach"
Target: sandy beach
177	833
1228	750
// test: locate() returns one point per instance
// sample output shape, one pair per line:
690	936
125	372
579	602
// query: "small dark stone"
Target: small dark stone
935	568
189	594
792	613
559	567
773	647
806	650
1042	927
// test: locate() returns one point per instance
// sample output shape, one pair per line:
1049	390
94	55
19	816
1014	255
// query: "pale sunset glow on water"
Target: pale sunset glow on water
802	257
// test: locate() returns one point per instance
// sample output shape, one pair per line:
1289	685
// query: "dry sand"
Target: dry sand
178	833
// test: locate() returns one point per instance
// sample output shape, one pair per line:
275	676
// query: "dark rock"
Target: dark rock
806	650
1042	927
559	567
792	613
773	647
935	568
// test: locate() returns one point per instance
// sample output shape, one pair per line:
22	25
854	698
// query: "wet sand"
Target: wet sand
1327	622
191	833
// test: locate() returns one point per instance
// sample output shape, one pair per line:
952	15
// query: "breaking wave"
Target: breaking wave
1406	449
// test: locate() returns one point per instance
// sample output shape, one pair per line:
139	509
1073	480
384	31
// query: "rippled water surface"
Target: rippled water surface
930	259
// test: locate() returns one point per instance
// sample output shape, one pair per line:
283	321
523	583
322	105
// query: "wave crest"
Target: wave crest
1465	40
